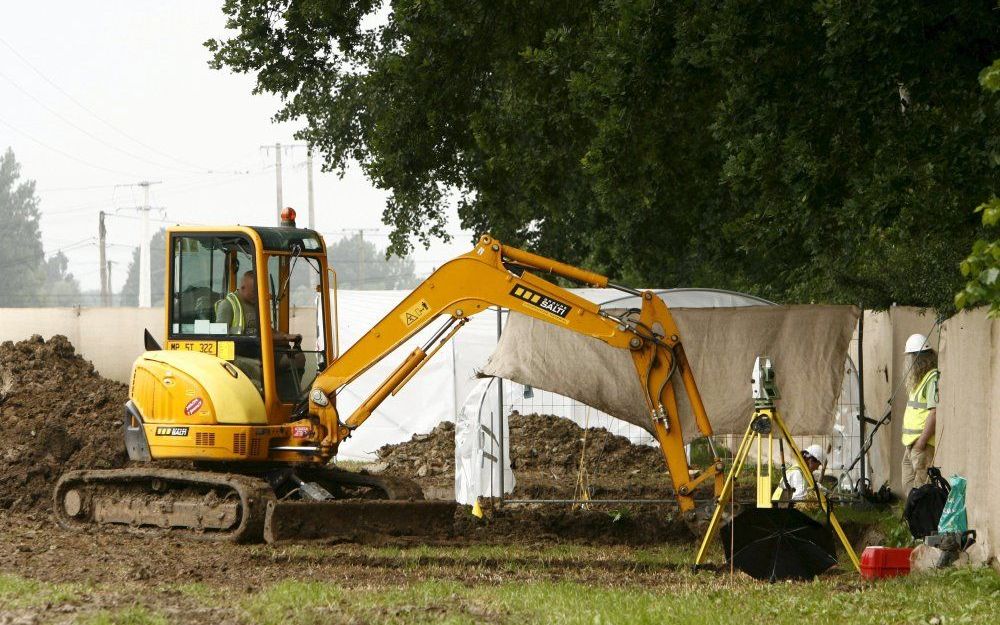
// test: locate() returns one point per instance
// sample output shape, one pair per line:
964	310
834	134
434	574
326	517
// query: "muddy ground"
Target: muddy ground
59	414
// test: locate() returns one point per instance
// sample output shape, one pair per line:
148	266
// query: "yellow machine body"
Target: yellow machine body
220	393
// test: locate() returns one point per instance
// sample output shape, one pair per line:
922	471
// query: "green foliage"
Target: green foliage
27	278
982	267
800	151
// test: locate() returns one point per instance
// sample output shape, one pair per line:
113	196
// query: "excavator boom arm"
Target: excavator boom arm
492	275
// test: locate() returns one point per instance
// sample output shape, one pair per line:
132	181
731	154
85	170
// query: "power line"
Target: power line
84	188
95	115
84	131
67	154
18	262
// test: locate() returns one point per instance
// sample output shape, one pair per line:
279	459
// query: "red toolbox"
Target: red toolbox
880	562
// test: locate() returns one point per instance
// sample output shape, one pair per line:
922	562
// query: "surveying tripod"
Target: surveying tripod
760	432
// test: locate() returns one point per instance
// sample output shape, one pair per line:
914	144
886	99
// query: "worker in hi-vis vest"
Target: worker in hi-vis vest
920	417
798	488
238	308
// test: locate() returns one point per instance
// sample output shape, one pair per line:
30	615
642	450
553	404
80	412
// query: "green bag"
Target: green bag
953	518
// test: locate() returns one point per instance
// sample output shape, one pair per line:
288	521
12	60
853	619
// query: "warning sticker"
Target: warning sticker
193	406
415	313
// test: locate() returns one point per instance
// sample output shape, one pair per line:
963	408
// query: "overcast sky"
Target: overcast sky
99	94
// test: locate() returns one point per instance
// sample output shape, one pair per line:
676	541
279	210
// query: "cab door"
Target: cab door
206	310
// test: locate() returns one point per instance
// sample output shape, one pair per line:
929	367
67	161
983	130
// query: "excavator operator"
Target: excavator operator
238	309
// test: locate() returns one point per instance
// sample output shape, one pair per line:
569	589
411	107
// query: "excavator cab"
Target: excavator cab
254	297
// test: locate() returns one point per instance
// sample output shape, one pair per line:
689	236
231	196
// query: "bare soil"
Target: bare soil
545	453
59	414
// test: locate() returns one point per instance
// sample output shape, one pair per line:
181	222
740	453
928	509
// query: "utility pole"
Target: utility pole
145	295
102	242
277	177
278	147
361	258
109	282
309	183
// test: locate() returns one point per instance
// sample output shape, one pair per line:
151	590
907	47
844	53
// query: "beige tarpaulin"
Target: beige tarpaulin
807	344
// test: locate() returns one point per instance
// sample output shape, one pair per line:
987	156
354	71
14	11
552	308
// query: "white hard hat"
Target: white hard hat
816	452
916	343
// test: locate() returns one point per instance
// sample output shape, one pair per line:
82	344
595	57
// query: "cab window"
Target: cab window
203	268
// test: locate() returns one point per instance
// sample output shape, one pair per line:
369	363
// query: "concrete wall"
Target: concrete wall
968	434
111	338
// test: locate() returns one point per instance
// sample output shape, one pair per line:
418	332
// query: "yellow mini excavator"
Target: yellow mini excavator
247	386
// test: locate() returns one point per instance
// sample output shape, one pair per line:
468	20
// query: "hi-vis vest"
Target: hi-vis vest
916	413
239	321
779	492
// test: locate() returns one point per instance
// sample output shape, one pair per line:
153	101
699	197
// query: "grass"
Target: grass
17	592
962	596
559	584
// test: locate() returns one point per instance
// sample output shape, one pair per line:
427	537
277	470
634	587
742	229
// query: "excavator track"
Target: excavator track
199	504
206	505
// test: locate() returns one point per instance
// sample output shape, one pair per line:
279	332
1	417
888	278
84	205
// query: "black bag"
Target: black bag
924	504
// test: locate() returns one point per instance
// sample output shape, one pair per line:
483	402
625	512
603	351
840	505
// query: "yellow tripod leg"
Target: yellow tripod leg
726	494
824	505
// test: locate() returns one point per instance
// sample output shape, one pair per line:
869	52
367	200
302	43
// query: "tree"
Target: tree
59	287
361	265
982	267
26	277
800	151
20	239
157	269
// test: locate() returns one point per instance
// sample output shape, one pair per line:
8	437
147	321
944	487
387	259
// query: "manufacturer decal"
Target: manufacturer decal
171	431
193	406
415	313
302	431
538	300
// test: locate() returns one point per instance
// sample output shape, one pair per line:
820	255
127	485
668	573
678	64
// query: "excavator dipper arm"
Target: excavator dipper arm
495	275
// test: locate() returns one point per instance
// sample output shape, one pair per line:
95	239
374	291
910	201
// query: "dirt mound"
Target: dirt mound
545	453
58	414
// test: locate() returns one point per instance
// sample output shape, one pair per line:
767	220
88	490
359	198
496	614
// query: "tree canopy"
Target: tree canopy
361	265
27	278
802	151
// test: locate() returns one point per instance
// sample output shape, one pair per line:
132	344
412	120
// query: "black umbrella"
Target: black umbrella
778	543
